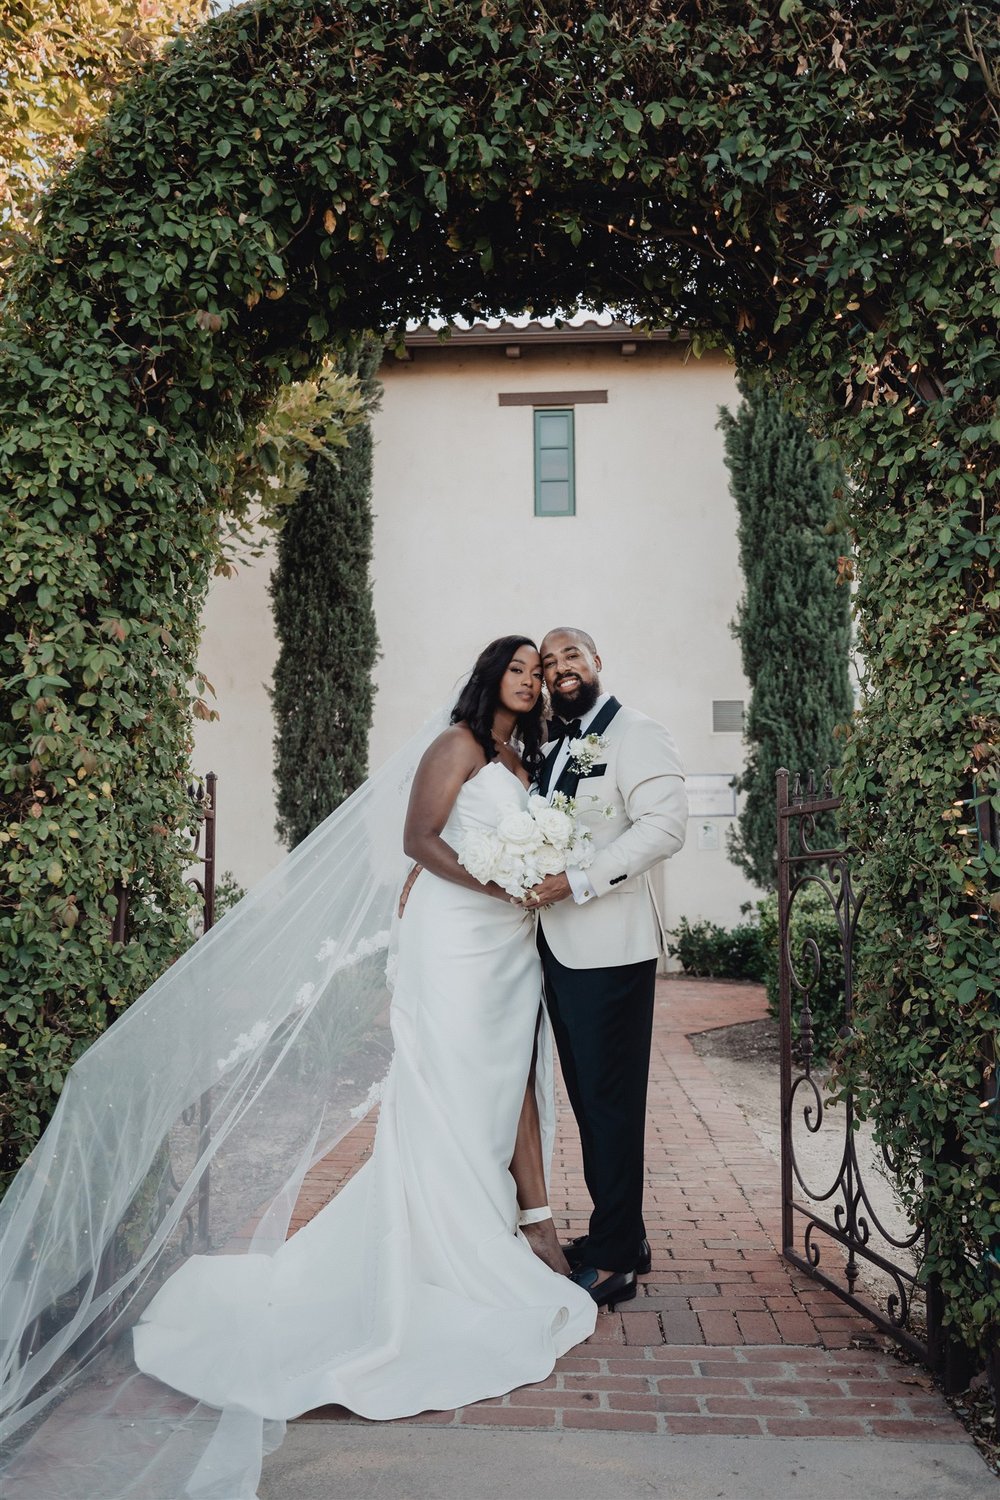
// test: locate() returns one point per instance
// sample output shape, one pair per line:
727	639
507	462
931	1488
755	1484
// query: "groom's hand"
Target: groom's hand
553	888
407	888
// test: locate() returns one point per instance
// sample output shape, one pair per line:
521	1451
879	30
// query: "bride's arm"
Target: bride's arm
446	766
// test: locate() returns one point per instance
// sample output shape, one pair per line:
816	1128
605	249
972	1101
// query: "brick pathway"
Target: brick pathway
724	1338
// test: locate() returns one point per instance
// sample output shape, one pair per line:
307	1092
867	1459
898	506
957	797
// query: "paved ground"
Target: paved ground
729	1378
724	1339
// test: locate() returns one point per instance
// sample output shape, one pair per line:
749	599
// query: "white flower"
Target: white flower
583	753
580	853
555	825
551	861
529	843
478	849
519	830
304	995
510	871
329	948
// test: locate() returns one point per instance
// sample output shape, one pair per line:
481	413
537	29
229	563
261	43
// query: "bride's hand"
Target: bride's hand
553	888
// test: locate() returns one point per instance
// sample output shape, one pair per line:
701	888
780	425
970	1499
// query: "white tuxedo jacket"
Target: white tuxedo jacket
640	777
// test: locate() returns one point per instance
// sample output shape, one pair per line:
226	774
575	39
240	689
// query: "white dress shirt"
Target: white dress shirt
578	882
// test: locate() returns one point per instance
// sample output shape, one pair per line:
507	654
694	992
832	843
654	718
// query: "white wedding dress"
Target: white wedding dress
411	1290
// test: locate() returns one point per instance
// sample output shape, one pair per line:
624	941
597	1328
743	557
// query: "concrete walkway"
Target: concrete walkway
730	1376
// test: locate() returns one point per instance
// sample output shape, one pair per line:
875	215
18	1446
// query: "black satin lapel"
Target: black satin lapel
546	776
604	718
570	779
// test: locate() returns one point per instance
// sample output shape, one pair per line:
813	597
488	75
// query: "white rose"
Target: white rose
555	827
580	853
509	871
478	850
550	861
518	829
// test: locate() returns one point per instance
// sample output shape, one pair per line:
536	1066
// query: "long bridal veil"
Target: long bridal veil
188	1128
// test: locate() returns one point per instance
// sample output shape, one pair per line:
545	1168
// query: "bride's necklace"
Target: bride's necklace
506	744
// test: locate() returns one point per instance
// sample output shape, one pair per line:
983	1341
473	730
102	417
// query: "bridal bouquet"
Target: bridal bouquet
527	844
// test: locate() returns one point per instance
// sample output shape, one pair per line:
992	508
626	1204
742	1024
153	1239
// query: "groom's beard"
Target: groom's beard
574	708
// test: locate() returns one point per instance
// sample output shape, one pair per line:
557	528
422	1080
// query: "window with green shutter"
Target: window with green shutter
555	489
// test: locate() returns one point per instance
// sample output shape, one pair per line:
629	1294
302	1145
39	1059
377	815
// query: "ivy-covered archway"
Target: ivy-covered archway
813	186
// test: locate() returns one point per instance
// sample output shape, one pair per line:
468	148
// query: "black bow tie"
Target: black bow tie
566	729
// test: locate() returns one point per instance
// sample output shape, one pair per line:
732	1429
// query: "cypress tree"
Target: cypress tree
322	599
793	622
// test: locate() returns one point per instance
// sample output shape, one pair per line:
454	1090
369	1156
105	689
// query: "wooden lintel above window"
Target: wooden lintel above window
552	398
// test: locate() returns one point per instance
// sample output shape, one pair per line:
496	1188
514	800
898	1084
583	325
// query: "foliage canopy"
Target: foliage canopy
62	61
815	187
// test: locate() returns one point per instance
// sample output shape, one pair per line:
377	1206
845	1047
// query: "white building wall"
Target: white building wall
648	565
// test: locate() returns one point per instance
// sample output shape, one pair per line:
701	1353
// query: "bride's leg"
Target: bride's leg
529	1175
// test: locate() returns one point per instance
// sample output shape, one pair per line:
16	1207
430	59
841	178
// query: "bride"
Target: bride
246	1062
412	1289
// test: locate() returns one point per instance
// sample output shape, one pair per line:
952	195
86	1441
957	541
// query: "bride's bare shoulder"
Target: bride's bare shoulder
456	748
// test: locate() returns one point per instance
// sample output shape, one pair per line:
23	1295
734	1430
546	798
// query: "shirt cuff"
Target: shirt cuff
581	887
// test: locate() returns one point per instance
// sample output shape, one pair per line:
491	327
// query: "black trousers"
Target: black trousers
603	1025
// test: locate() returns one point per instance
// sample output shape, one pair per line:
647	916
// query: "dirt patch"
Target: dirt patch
751	1041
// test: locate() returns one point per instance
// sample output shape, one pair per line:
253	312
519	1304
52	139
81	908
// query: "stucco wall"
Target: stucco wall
648	565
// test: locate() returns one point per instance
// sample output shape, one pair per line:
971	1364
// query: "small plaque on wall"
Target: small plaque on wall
711	796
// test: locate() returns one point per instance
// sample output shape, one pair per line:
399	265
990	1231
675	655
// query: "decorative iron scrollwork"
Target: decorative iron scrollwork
851	1228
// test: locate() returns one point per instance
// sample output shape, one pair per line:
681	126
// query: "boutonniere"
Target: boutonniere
584	753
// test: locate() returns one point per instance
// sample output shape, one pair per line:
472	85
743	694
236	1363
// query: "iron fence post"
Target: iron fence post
784	1013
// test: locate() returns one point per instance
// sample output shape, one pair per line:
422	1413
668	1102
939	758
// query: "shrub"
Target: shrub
325	622
708	951
793	621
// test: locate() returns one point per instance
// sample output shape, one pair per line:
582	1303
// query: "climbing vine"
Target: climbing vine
816	188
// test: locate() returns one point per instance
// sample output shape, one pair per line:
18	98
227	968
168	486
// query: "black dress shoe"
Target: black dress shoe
577	1254
620	1286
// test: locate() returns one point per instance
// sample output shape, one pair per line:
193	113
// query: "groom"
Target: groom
599	938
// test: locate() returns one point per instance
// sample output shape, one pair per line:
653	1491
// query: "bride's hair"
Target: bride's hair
478	700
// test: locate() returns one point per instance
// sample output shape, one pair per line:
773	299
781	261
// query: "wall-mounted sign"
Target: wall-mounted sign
711	796
708	835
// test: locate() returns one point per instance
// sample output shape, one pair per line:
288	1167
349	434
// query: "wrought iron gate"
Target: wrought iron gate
872	1265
